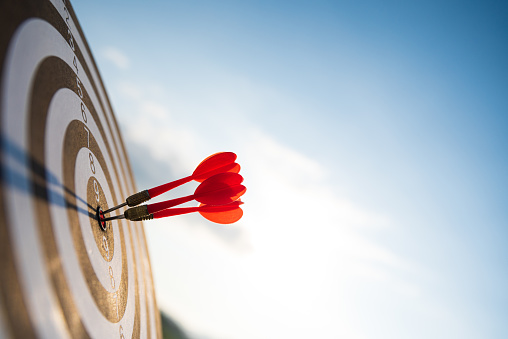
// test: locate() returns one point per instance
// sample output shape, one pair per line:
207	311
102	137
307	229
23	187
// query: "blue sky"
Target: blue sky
372	137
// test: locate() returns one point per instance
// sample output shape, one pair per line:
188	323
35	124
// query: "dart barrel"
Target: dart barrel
138	198
135	213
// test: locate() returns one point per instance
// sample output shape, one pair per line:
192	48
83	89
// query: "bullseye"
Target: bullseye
100	217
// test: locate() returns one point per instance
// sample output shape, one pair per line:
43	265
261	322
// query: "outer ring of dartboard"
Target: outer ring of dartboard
52	69
36	219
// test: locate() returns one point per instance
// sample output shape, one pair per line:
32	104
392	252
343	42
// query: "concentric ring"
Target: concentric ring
62	157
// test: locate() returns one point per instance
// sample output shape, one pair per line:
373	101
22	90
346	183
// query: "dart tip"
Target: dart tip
100	218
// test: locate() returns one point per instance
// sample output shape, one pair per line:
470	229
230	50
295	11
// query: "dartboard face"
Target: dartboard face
62	157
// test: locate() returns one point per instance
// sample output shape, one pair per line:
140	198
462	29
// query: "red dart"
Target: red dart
212	165
221	189
225	214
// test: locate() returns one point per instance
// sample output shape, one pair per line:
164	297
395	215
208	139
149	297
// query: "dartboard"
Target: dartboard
62	157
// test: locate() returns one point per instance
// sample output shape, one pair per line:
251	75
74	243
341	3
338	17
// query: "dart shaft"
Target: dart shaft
133	200
121	216
152	208
155	191
115	208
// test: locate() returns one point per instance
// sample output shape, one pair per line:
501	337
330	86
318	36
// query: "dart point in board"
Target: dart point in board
100	219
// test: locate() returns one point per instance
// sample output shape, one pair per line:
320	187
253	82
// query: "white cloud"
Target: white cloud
129	90
298	239
117	57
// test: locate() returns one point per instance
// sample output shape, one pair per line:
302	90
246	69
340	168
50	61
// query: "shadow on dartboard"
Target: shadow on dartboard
38	176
